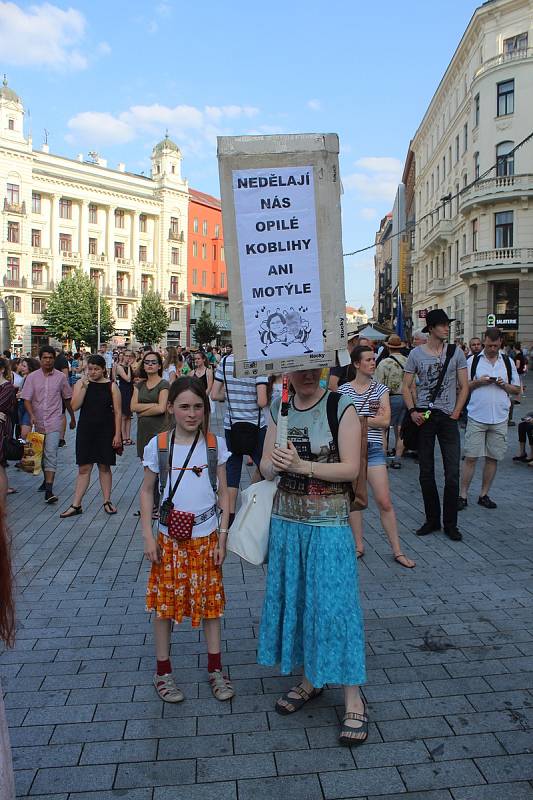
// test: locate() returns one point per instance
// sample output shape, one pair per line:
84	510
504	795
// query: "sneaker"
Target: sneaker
428	527
486	502
167	690
462	503
50	497
453	533
220	686
62	443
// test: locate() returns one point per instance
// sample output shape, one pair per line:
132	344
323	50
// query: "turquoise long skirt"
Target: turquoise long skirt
311	613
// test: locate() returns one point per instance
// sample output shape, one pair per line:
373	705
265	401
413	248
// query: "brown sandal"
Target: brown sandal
347	737
397	558
296	703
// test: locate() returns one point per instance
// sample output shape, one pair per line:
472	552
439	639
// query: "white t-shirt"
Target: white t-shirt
490	404
18	380
167	372
194	494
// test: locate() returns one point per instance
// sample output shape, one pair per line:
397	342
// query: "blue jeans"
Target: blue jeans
440	426
234	462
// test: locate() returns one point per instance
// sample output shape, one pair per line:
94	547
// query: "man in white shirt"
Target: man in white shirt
493	378
107	356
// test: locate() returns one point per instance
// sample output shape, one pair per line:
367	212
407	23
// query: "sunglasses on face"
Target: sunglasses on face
151	363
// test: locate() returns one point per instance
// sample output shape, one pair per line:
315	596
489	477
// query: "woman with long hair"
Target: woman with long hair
8	401
371	399
7	636
202	370
172	365
98	434
124	376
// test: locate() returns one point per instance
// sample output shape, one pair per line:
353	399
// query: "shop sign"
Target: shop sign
507	322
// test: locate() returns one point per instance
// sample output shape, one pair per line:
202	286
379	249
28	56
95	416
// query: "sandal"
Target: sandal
360	553
220	686
397	558
350	736
293	704
167	690
12	491
109	508
523	457
68	513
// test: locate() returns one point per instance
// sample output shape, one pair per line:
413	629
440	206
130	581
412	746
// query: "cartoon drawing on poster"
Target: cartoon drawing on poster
278	261
285	327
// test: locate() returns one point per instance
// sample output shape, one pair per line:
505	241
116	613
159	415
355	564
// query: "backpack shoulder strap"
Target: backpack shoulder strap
332	409
162	453
212	458
473	366
508	367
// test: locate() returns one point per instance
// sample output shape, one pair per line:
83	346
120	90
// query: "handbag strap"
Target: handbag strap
367	395
182	469
450	351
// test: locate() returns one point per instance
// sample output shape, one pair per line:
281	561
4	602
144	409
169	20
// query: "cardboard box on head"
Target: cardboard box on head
283	250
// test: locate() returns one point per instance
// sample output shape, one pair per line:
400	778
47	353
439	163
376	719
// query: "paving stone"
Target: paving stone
71	779
457	686
46	756
413	729
292	787
235	767
114	794
441	775
390	754
360	782
23	780
223	790
194	747
507	768
489	721
57	715
495	701
31	735
437	705
516	741
117	752
294	762
270	741
87	732
514	791
160	728
460	747
155	773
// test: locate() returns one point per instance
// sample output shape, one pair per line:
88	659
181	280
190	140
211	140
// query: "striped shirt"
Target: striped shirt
367	405
241	394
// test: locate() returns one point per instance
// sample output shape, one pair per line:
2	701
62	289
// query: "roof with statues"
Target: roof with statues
8	94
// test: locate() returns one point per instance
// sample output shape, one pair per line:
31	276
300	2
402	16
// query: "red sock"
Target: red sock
214	662
164	667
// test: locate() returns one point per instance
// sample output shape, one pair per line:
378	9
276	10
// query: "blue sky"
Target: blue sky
112	76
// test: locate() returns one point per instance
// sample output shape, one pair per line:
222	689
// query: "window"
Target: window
121	282
204	227
457	198
93	214
175	256
143	253
95	276
204	279
65	208
37	274
476	165
65	242
93	244
195	276
217	231
214	280
504	159
443	168
465	137
146	284
450	158
142	223
505	98
38	305
36	203
456	255
222	280
174	284
13	232
13	302
119	218
174	314
204	252
66	271
195	225
474	235
515	44
457	148
174	225
503	229
449	260
119	249
195	249
438	175
214	252
13	266
11	124
122	310
222	254
35	238
464	244
432	184
476	110
465	180
13	194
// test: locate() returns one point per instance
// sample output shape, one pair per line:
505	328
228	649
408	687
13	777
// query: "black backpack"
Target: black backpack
507	361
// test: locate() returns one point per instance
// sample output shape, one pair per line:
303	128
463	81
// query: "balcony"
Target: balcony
147	266
176	236
14	208
502	256
15	283
438	235
493	190
43	286
124	262
95	259
436	286
129	293
70	257
41	252
504	58
176	297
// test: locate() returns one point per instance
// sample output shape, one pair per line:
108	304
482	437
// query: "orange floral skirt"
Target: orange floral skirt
186	582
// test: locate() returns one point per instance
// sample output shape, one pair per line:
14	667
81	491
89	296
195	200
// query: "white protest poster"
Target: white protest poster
277	244
283	250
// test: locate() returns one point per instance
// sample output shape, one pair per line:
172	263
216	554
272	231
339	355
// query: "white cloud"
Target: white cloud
43	35
368	213
314	105
104	48
192	128
377	178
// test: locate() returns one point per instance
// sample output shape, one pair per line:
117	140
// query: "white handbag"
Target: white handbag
248	536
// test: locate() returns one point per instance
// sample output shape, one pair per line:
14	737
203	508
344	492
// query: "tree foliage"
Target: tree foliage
11	320
72	311
151	320
205	329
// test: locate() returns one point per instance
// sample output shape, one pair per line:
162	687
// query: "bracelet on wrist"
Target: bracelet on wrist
223	530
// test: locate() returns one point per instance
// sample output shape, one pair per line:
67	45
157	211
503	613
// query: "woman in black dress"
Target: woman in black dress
124	377
98	434
202	370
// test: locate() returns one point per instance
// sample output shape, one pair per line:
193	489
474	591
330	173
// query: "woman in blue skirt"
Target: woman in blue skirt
311	613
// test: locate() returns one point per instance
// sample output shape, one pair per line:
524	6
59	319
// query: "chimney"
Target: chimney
45	148
79	157
121	166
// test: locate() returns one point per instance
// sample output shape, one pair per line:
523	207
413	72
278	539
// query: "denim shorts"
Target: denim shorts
376	455
234	462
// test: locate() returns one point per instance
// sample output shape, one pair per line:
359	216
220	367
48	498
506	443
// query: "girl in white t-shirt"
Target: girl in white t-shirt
186	574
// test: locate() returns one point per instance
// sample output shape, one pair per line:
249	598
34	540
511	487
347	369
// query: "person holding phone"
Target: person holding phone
493	379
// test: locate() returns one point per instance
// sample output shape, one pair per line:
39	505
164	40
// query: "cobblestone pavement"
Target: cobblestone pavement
450	664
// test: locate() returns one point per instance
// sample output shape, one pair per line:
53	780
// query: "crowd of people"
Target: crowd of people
389	402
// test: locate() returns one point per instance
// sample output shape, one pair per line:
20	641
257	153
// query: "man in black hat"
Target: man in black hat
441	389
